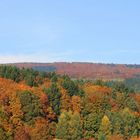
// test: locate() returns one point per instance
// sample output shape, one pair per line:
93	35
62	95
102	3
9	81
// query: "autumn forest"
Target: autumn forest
37	105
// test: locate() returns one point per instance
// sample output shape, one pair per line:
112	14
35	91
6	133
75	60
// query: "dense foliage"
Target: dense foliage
44	106
133	82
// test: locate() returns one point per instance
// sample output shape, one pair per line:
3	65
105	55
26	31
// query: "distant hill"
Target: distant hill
87	70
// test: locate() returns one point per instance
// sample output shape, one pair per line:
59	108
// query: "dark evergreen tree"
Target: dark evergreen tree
54	97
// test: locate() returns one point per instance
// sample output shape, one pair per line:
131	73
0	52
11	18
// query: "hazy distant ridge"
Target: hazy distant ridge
87	70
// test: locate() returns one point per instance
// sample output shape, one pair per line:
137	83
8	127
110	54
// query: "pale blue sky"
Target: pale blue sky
70	30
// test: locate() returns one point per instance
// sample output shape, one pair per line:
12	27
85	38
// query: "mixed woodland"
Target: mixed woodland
37	105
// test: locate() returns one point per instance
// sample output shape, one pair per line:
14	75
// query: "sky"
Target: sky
105	31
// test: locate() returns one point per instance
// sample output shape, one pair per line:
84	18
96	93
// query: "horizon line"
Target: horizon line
69	62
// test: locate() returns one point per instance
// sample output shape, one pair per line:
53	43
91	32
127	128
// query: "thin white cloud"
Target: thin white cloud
22	58
38	57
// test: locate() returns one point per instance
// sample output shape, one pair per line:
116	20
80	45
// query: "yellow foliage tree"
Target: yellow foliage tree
105	127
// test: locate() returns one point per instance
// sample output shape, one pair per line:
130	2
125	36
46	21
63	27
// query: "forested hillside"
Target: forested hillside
87	70
36	105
